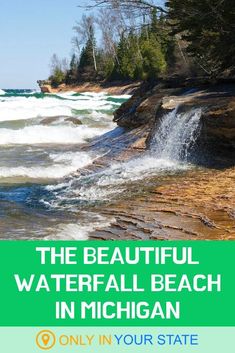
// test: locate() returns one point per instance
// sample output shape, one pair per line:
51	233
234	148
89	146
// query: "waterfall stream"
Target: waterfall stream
45	174
176	135
169	153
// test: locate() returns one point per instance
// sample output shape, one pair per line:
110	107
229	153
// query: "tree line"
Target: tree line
143	40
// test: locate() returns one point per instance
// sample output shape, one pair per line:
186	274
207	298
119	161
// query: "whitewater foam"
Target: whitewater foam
34	154
79	231
176	135
58	134
18	108
62	165
170	149
123	96
110	182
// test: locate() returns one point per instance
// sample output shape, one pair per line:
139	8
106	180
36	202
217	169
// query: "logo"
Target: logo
45	340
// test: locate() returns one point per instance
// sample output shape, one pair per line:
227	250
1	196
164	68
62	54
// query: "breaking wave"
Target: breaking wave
38	134
61	166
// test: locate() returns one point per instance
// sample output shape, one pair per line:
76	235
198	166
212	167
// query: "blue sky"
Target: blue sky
30	32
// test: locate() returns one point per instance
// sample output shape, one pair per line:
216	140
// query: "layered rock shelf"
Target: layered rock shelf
197	204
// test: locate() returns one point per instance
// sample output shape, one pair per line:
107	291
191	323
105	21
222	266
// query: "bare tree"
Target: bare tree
76	45
58	64
135	5
64	64
84	33
112	25
55	63
133	13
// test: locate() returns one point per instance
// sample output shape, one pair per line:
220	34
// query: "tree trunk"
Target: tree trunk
94	57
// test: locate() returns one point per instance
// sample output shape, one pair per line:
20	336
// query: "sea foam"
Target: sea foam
18	108
59	134
63	165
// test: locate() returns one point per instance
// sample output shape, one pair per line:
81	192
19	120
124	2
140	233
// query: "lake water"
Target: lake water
40	146
60	177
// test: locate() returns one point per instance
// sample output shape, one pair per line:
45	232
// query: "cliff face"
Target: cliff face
197	204
219	124
217	134
193	203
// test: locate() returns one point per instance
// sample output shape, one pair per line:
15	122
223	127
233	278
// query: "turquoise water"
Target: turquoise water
42	139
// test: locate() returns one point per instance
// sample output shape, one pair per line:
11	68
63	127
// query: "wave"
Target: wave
173	142
18	108
59	134
67	95
95	94
122	96
77	231
20	92
64	165
110	182
71	231
2	92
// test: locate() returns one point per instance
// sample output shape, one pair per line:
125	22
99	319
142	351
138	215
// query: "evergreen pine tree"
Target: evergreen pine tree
208	27
87	67
71	76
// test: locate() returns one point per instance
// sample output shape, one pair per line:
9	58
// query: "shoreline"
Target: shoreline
116	88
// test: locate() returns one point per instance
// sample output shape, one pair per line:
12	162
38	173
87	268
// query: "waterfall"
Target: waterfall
176	135
171	147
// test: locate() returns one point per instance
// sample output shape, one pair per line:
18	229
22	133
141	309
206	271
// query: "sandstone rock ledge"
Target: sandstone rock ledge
218	112
198	204
115	88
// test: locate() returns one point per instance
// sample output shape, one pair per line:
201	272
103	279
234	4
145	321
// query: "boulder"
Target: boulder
73	120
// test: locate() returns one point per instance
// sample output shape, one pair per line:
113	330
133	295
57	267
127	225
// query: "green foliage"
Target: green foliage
87	68
72	73
58	77
208	27
128	58
144	54
141	53
105	64
154	62
58	70
86	58
157	45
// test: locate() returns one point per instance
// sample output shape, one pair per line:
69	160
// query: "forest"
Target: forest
137	40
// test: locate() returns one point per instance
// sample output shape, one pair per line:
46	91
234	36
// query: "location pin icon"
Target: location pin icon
45	339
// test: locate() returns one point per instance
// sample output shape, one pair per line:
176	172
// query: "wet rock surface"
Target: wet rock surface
196	204
199	205
217	137
218	118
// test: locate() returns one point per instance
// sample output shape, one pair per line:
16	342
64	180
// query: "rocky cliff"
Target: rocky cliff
217	134
197	204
